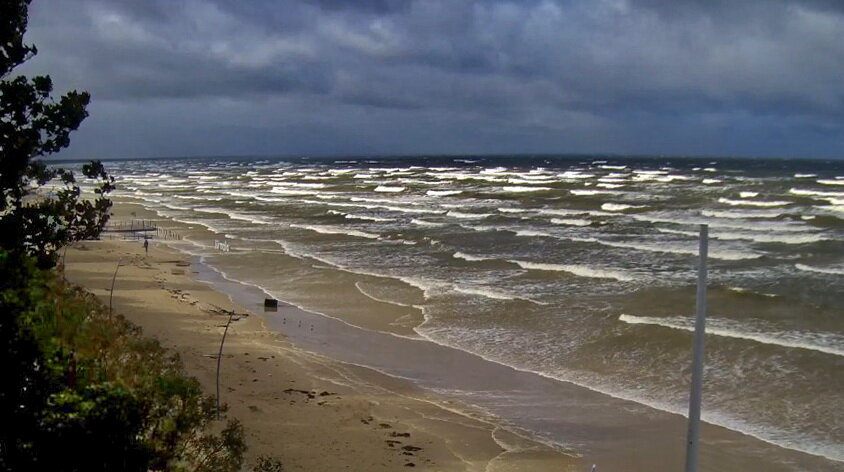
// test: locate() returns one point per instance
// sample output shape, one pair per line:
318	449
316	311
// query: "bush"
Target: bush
86	392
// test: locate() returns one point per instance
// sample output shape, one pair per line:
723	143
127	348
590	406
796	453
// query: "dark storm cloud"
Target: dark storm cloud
450	75
379	6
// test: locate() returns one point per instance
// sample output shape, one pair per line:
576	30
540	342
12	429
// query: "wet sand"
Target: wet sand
312	412
617	434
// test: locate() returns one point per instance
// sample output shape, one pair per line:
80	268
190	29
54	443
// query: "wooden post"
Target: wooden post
220	359
111	294
693	437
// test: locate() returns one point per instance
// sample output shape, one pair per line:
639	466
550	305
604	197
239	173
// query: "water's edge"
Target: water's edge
599	427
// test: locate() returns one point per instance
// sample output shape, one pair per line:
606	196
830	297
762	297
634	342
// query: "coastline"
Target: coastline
314	412
618	434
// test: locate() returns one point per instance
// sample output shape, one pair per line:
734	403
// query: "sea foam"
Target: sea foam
324	229
757	203
578	270
829	343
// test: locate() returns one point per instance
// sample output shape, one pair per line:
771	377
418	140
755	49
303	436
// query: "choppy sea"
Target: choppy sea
579	268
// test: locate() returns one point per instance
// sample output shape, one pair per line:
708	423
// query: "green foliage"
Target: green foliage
79	390
32	125
83	391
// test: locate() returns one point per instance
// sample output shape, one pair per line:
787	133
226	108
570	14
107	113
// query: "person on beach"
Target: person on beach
146	246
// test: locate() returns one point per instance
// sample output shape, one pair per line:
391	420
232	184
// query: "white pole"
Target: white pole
693	437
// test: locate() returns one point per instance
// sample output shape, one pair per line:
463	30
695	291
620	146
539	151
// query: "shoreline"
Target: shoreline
390	417
581	418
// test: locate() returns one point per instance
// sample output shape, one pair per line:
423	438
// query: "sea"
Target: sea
578	269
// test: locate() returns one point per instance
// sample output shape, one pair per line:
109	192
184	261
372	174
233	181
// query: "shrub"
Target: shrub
86	391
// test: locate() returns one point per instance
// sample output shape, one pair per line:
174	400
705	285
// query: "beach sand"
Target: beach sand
312	412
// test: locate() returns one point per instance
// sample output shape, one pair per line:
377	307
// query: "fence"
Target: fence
138	229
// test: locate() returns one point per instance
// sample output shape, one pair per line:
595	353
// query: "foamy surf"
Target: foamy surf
571	222
334	230
674	248
619	206
831	270
578	270
523	189
464	215
758	237
491	293
554	225
443	193
432	224
829	343
389	189
470	258
758	203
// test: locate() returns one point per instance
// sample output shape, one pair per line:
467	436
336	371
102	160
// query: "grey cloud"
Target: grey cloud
549	75
379	6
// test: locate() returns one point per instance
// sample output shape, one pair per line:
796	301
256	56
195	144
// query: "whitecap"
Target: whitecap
469	257
829	343
619	206
336	230
300	184
742	214
832	270
815	193
442	193
758	237
389	189
578	270
575	175
523	189
531	181
571	221
459	214
352	216
490	293
426	223
529	233
514	210
753	202
672	248
590	192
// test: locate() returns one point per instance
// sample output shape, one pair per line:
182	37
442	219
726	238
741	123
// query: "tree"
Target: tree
33	124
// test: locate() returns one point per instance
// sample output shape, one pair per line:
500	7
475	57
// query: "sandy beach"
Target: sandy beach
312	412
348	384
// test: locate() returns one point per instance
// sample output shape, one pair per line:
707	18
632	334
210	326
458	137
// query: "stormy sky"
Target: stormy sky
361	77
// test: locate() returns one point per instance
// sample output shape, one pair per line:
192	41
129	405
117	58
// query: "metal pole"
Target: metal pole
220	358
111	294
693	437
